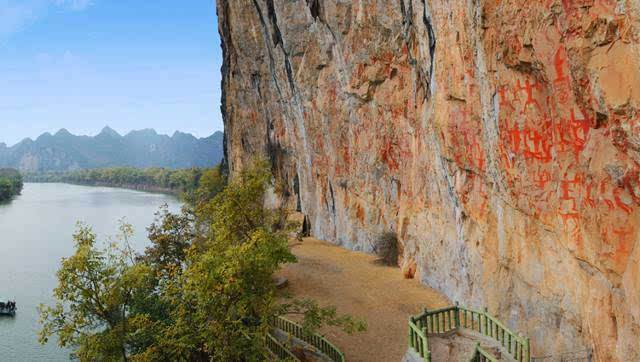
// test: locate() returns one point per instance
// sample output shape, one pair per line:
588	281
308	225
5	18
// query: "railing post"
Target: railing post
426	319
425	342
465	318
476	354
486	321
411	340
527	351
456	315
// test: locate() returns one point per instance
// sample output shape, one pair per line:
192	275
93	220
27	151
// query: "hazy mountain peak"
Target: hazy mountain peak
143	148
63	132
143	132
178	134
44	136
108	131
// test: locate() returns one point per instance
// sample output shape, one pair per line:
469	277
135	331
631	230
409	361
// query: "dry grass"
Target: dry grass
357	285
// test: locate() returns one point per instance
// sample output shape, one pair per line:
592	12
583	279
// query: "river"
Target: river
36	232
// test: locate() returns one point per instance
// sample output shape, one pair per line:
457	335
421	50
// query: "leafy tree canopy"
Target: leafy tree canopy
10	184
203	290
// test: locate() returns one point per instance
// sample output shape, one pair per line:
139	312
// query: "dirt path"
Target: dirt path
356	285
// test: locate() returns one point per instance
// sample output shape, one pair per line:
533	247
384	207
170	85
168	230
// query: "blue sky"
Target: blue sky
129	64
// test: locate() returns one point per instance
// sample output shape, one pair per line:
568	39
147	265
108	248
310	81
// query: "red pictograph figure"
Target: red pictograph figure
622	233
541	178
479	156
562	81
579	132
632	183
571	135
561	136
559	62
531	139
570	210
388	155
618	201
472	150
532	143
537	146
505	102
515	138
528	88
603	192
571	216
587	198
567	186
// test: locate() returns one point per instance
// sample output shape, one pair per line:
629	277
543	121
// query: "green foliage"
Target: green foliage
203	291
97	291
211	182
10	184
183	181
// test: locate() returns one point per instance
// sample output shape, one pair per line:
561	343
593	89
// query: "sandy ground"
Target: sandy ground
357	286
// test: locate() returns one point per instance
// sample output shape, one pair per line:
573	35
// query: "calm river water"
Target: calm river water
36	232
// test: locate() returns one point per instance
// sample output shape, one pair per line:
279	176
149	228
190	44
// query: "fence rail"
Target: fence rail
481	321
481	355
322	344
278	350
418	339
451	318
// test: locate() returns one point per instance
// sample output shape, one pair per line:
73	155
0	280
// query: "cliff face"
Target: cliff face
499	138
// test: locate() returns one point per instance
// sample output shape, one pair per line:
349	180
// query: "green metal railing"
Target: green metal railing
481	355
322	344
418	339
278	350
447	319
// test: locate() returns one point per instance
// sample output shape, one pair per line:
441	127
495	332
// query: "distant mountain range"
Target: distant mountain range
64	151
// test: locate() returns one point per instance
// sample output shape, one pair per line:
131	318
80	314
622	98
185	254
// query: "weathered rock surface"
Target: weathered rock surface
499	138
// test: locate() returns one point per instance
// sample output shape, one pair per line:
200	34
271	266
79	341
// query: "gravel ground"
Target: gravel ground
357	286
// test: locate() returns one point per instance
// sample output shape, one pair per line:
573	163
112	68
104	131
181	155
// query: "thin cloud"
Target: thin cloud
77	5
19	14
16	15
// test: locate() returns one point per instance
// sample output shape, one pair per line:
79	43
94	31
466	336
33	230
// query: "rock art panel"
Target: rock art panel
500	139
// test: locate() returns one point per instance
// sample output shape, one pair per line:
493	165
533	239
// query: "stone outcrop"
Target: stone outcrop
500	140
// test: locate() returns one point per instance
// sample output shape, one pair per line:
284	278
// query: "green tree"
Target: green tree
203	291
97	292
10	184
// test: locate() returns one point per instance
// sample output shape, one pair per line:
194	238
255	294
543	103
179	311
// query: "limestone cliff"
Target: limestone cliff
500	139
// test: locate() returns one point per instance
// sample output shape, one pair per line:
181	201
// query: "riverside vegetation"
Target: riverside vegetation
10	184
202	291
179	181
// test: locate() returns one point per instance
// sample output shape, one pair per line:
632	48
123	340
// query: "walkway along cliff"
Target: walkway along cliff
500	140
